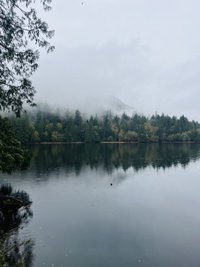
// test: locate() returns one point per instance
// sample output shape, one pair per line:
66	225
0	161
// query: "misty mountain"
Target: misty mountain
90	106
101	104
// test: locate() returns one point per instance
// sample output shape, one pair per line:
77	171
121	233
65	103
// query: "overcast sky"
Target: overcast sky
144	52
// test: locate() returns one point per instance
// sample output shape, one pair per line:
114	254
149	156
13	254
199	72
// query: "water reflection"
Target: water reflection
112	156
148	217
16	251
15	213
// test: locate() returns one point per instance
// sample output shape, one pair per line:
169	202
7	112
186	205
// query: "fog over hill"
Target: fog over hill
101	104
146	53
91	106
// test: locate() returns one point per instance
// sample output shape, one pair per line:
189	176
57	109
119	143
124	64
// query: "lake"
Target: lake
109	205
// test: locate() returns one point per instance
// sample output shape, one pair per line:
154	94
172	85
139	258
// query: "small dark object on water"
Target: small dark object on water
111	184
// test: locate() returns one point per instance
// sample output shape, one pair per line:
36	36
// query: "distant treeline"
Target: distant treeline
41	126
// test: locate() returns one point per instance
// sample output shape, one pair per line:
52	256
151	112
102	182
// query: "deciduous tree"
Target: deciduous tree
19	26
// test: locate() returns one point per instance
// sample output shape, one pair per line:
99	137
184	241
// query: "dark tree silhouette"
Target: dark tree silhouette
12	156
20	25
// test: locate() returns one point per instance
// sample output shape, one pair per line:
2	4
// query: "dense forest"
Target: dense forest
44	126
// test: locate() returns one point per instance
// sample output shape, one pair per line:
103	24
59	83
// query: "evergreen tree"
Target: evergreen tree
12	156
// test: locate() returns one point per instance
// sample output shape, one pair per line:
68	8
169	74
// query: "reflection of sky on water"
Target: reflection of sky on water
55	160
16	247
148	217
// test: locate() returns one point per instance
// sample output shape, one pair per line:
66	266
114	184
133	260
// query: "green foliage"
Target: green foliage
12	156
48	127
131	136
20	25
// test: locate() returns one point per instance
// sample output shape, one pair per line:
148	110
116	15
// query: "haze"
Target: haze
146	53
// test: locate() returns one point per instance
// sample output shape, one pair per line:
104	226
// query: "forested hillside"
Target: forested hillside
41	126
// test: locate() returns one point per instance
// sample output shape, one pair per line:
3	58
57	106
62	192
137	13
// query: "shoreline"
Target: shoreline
115	142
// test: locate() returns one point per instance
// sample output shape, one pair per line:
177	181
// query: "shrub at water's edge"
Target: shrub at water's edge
14	208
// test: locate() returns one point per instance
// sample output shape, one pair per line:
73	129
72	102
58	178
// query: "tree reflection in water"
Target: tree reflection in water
74	157
15	212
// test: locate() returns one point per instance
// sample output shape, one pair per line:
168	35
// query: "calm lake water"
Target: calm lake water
111	205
